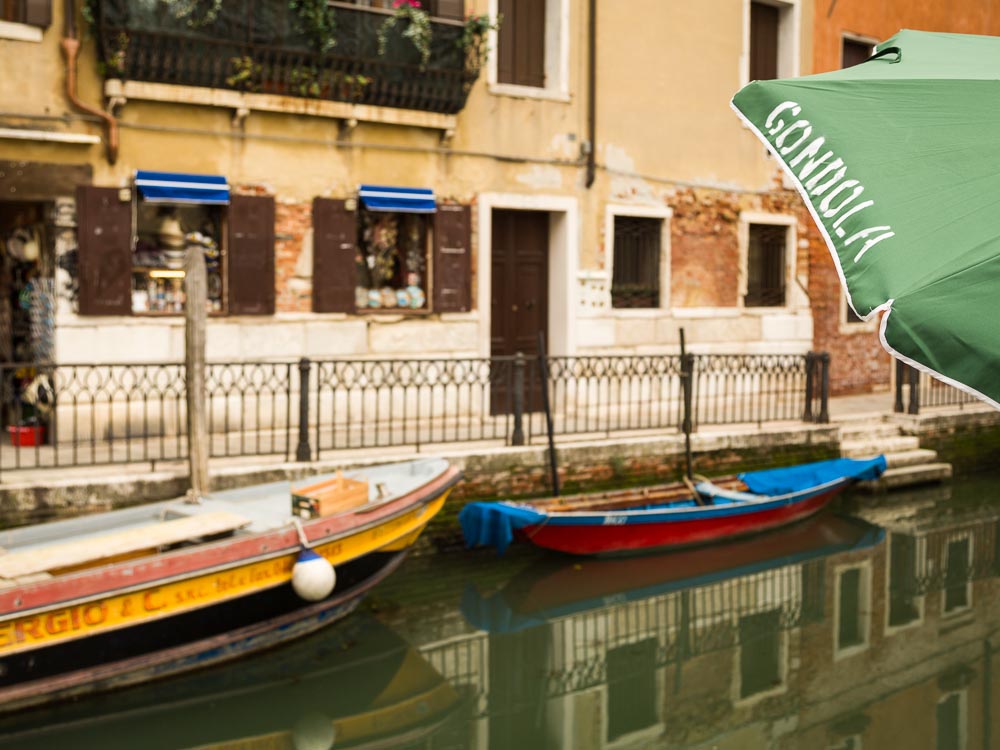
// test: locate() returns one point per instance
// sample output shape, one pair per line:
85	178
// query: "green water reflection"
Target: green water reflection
871	628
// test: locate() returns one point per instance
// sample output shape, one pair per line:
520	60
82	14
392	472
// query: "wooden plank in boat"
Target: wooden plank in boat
116	544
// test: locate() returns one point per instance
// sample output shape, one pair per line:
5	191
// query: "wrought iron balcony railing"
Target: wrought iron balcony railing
260	46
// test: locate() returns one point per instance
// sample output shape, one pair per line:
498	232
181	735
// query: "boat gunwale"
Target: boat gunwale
734	507
104	580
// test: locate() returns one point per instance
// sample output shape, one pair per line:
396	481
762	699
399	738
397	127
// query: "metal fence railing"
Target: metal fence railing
90	414
914	390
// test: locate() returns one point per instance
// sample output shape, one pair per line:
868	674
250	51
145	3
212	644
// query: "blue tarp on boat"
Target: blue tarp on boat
494	523
803	476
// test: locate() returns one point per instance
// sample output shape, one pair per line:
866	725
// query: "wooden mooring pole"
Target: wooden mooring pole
195	314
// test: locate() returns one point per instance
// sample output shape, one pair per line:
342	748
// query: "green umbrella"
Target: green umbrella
898	160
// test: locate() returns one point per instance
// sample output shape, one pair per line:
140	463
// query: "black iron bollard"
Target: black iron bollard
517	437
303	452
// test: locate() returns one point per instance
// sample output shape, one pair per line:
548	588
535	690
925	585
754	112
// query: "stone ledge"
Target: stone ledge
120	92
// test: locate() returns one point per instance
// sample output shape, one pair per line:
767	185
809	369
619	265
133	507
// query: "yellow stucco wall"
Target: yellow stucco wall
665	74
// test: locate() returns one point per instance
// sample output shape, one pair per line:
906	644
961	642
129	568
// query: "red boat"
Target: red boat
555	587
666	516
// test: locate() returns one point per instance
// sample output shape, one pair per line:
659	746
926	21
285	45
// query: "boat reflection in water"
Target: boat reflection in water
356	685
834	634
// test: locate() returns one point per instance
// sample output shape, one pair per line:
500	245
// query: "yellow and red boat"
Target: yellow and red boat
111	600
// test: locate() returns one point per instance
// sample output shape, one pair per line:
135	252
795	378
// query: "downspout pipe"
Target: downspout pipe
71	49
591	93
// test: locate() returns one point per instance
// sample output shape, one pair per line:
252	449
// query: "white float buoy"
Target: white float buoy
313	732
313	577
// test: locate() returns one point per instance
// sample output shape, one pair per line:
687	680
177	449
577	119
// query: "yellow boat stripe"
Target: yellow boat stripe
151	603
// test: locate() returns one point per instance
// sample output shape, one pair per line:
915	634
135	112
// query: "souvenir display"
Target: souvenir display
360	297
164	236
392	259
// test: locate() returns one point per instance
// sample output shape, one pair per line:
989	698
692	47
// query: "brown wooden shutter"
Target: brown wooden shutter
335	236
763	42
521	53
452	259
450	9
38	13
250	255
104	251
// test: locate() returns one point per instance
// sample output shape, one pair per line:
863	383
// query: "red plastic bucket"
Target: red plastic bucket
26	436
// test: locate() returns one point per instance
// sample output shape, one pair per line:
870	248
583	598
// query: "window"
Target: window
131	252
163	234
904	593
631	688
391	260
763	42
853	610
766	249
31	12
951	719
521	43
760	653
854	52
957	586
636	271
393	249
771	39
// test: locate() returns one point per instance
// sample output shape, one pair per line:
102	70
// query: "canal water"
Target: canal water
871	627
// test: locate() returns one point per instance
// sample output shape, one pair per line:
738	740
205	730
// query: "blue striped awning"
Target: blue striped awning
174	187
406	200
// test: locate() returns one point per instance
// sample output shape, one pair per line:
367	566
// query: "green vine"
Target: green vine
317	21
474	39
195	13
244	73
418	28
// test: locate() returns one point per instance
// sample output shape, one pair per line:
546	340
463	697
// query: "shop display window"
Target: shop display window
392	261
163	234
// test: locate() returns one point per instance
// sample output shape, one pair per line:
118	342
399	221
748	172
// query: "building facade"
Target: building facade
844	34
585	179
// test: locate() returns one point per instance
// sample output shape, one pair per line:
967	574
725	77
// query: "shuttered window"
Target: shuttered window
104	251
32	12
452	258
764	21
766	266
454	9
335	232
521	53
636	271
855	52
251	255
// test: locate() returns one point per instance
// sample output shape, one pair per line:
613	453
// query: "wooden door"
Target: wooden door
519	302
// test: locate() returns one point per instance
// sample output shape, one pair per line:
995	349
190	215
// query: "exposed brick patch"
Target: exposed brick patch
291	223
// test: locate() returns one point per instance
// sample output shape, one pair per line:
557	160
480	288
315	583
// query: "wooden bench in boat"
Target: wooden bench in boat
93	550
624	499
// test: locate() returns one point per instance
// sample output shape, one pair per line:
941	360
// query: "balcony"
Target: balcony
259	47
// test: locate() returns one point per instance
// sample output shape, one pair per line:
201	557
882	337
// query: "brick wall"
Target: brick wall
293	256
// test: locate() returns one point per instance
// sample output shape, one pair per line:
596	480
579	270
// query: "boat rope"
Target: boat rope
301	532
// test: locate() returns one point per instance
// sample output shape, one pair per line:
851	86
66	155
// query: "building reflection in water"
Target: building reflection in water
356	685
836	634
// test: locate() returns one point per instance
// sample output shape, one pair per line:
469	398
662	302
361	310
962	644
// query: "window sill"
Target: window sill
120	92
20	32
529	92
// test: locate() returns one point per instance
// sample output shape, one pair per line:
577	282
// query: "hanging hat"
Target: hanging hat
23	245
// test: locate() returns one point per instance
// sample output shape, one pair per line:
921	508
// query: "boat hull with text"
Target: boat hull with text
127	618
